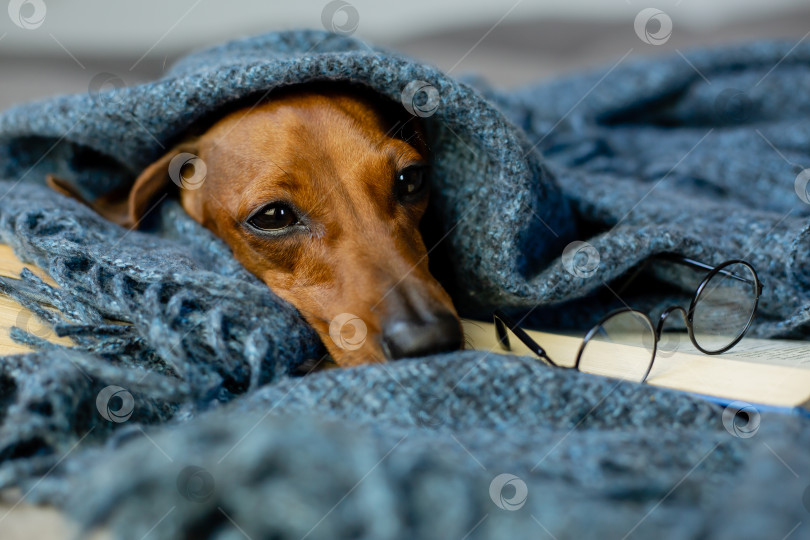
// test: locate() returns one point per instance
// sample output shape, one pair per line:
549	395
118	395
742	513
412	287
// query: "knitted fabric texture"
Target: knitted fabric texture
639	159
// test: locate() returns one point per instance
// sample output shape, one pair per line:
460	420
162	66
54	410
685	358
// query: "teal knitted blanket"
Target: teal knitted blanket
193	420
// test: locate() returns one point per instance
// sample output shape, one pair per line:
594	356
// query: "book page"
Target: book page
781	352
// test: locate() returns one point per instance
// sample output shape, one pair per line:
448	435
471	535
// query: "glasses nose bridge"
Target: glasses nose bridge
666	313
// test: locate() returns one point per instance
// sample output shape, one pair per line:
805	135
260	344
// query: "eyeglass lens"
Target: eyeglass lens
724	307
622	346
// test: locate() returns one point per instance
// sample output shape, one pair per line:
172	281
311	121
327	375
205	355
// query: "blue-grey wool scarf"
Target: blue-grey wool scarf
702	158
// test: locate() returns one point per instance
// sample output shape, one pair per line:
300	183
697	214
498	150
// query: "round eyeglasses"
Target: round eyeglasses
624	343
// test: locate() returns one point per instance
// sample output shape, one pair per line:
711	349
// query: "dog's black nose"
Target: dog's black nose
405	338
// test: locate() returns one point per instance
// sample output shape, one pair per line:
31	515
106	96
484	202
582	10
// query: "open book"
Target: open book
767	372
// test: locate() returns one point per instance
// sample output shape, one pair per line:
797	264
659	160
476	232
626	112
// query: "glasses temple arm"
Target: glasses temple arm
501	318
703	266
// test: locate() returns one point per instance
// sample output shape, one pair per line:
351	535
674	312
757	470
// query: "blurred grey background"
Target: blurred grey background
49	47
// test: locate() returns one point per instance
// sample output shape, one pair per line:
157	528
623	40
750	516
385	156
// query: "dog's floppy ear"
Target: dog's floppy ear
128	204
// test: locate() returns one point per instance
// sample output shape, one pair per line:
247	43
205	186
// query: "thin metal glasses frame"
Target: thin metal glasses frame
503	321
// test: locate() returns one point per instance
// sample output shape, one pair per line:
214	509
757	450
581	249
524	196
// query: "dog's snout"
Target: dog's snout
407	338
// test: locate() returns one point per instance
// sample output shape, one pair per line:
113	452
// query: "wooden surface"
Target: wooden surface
13	314
18	520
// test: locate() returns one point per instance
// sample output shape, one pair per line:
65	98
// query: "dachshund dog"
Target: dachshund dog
319	192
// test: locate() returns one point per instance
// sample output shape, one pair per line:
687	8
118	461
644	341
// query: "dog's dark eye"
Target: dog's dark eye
273	217
410	183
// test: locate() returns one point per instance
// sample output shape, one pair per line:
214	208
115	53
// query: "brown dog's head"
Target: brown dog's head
319	193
